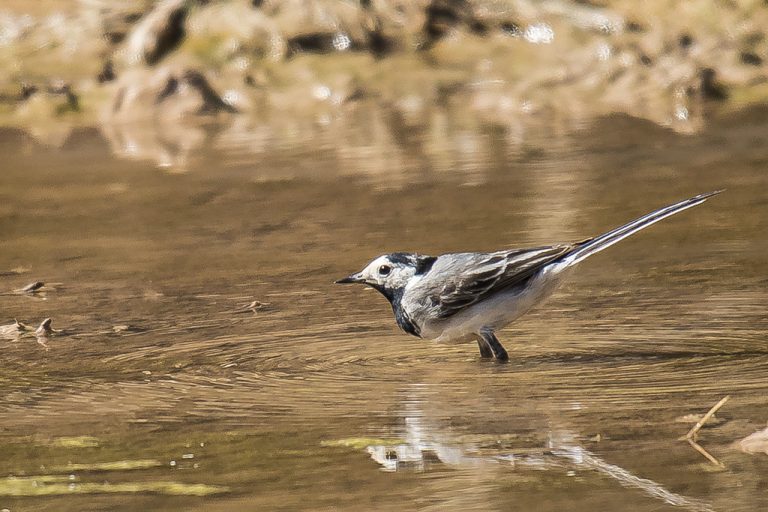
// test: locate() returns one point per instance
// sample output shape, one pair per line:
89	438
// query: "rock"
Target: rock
211	101
504	59
27	90
322	26
167	92
157	33
33	287
754	443
44	329
710	87
47	117
12	331
58	99
443	15
750	58
107	73
234	31
118	19
17	329
61	88
395	25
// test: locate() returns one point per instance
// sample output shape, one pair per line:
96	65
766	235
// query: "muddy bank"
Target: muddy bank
509	63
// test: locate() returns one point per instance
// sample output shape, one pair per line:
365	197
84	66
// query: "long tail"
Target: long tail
597	244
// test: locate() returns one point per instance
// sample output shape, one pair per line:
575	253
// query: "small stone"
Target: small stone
33	287
45	328
159	32
107	73
756	442
711	87
750	58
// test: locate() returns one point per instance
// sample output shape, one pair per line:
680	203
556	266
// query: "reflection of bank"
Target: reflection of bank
389	146
426	446
168	144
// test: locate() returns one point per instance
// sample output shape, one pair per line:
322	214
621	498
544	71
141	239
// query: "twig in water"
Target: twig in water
696	446
691	435
252	307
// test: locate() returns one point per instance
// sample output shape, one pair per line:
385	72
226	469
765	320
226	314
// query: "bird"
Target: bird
471	295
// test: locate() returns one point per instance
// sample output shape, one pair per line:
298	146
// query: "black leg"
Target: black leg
485	350
493	343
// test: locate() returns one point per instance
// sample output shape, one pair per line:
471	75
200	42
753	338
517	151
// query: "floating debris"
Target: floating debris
692	434
32	287
18	329
253	307
13	330
695	430
756	442
118	329
711	458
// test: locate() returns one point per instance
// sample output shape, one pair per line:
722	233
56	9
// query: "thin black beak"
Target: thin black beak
352	278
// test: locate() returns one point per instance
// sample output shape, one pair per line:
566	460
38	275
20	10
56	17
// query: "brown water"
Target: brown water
315	401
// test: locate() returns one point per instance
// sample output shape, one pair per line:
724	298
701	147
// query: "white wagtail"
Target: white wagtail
461	296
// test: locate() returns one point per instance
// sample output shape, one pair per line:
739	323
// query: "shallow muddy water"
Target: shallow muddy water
162	393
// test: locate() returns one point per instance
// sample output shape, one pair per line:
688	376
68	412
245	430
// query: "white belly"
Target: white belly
493	313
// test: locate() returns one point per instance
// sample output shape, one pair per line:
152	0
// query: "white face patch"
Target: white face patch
383	272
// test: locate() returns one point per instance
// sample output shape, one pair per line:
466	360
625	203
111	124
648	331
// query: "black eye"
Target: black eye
384	270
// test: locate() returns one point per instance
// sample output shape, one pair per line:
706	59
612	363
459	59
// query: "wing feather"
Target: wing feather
474	277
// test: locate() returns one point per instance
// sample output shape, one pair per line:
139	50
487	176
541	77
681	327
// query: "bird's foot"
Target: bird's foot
485	350
489	343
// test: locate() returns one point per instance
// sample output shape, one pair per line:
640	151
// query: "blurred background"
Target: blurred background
182	181
149	74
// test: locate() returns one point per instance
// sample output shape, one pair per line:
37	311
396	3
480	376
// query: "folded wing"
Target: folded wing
458	281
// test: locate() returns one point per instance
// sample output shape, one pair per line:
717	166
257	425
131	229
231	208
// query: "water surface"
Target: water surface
150	244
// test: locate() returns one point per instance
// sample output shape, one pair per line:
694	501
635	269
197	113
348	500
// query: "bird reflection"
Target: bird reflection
426	445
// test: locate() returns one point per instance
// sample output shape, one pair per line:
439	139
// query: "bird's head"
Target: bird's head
390	272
